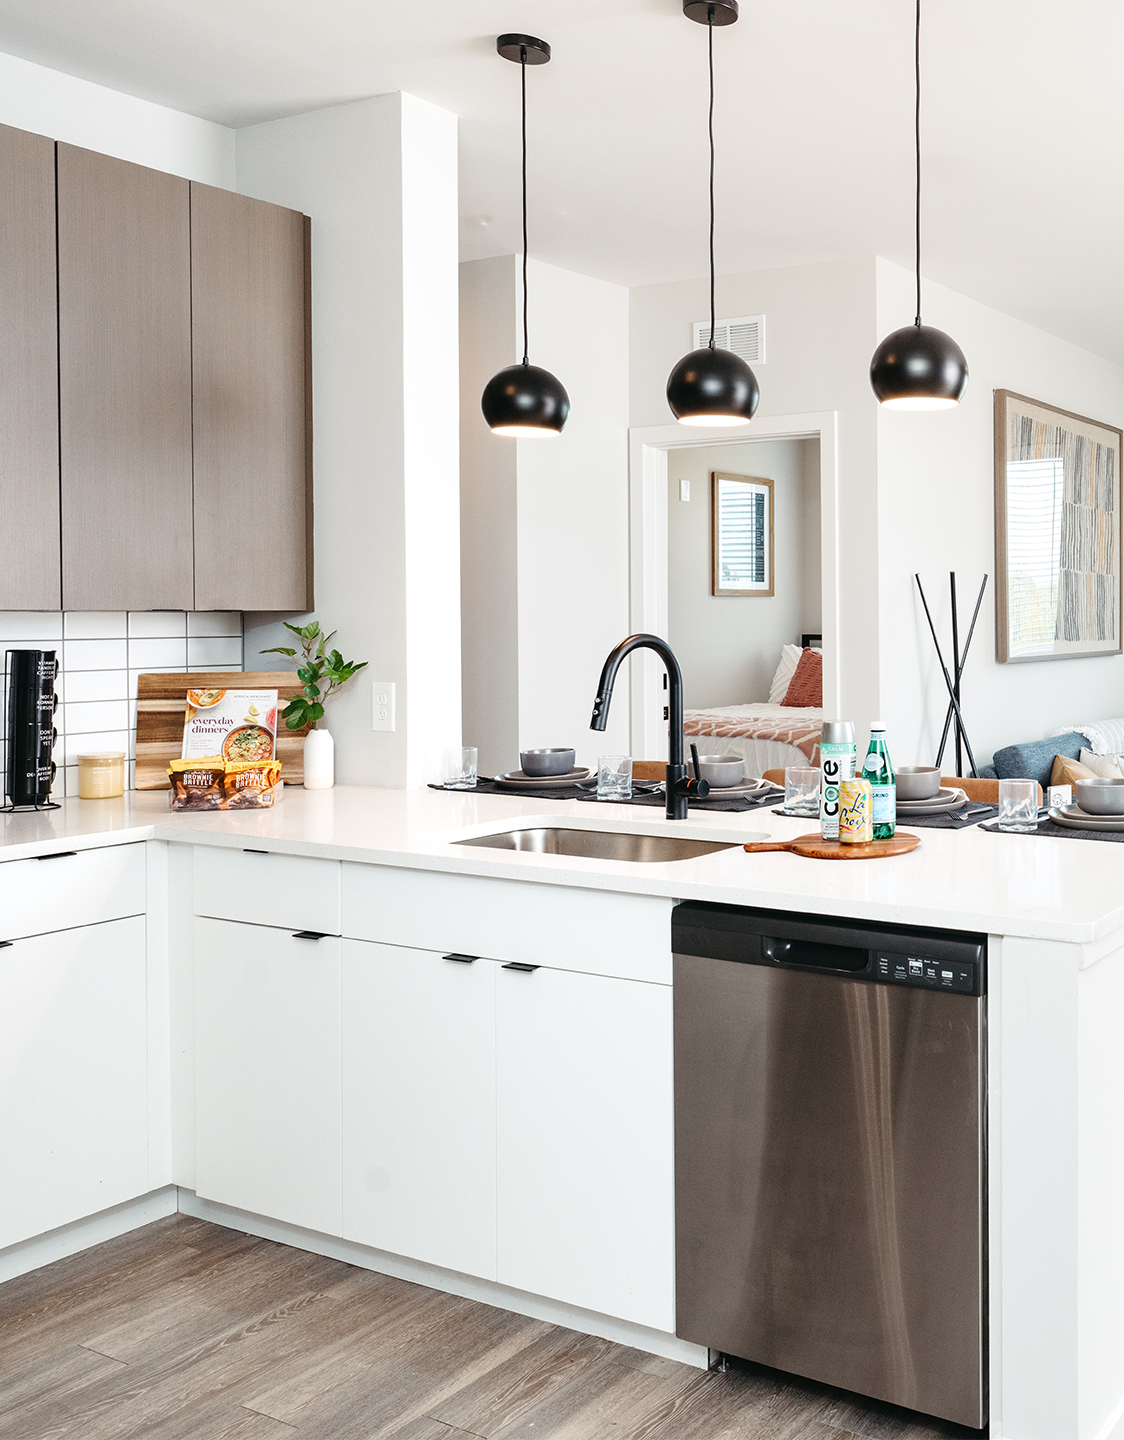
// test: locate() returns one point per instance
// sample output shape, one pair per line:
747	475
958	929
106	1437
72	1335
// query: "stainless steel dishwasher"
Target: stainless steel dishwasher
830	1151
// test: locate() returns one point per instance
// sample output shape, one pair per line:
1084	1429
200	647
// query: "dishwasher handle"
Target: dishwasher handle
814	954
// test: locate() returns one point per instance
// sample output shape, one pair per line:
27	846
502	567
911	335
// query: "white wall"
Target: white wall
563	520
820	336
937	513
63	107
378	177
729	646
489	521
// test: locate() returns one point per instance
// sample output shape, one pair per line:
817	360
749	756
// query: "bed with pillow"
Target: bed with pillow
782	731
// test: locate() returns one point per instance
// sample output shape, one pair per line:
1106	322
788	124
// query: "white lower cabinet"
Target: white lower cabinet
267	1066
585	1159
419	1104
73	1075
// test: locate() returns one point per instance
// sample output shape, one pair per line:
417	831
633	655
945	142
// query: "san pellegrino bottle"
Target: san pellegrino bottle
878	768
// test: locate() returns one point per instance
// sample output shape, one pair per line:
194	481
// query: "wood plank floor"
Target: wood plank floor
186	1331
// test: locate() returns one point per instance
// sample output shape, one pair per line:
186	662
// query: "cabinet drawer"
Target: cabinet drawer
290	891
593	931
63	890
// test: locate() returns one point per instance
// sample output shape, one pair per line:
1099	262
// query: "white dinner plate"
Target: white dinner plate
747	787
1077	819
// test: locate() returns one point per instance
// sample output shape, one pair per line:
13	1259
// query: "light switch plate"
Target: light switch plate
382	704
684	490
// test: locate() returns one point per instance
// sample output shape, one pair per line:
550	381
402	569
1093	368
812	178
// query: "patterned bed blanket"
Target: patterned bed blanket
786	724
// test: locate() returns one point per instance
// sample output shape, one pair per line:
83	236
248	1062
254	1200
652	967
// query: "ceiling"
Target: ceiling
1022	125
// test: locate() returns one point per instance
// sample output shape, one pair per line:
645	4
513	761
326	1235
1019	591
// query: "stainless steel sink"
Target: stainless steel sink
597	844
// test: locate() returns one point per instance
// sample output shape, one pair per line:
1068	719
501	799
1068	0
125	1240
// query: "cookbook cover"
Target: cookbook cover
239	725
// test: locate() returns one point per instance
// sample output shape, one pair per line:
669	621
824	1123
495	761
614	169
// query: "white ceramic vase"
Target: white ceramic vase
319	760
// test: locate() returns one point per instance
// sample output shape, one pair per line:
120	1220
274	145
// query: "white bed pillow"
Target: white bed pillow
790	658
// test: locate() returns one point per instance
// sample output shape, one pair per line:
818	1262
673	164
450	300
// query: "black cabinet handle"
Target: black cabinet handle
6	944
245	851
462	959
58	855
310	935
523	969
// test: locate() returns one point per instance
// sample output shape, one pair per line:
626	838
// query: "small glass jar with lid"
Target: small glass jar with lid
101	776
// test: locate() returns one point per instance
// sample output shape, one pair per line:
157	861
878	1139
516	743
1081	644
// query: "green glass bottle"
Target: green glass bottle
878	768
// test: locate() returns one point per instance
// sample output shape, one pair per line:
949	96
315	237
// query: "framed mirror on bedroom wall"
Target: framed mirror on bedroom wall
741	530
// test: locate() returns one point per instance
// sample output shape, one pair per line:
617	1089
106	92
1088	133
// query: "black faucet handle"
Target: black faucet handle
695	761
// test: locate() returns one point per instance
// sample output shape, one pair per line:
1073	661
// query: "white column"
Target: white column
545	548
379	179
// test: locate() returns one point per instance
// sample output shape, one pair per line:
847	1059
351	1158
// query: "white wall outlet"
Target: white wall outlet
684	490
382	705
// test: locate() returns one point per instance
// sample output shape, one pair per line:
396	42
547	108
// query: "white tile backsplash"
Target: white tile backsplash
163	654
36	625
103	654
95	655
86	685
158	624
89	716
214	622
95	624
215	650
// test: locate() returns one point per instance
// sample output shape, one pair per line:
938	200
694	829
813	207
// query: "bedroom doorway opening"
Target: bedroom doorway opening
744	596
733	569
743	564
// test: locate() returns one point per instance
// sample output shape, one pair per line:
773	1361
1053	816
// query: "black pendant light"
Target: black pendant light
918	367
712	386
524	399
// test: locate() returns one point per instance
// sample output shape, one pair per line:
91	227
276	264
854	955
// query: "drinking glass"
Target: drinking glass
801	791
460	768
1018	805
614	777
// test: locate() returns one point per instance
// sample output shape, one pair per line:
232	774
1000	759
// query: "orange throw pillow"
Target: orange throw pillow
806	685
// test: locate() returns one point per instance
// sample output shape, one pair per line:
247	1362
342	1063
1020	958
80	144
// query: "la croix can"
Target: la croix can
856	812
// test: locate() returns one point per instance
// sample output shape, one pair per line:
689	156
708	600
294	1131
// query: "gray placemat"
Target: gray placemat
732	804
946	821
1060	832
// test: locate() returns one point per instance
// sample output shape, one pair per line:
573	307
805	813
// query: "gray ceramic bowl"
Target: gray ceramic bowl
546	762
722	770
918	782
1101	796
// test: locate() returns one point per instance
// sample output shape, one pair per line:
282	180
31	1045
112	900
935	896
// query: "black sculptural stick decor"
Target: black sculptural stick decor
952	683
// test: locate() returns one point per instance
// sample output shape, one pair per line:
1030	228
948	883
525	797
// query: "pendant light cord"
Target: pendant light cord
917	146
523	76
710	128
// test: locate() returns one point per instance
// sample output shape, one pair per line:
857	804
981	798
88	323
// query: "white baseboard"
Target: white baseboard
488	1292
81	1234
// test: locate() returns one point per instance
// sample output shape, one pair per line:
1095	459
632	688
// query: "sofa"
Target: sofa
1033	759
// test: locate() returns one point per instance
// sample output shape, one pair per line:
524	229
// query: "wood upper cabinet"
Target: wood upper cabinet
29	448
124	297
249	340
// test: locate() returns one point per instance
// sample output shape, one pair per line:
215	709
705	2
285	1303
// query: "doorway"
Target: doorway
662	455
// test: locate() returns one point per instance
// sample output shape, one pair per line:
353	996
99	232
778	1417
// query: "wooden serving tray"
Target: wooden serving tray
815	847
162	707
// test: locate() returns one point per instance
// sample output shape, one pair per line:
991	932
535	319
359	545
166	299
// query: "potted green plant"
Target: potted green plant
323	673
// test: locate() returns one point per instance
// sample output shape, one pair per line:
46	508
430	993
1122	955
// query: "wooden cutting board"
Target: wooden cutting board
815	847
162	706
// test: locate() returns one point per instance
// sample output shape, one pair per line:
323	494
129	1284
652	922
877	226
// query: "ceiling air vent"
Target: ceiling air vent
745	337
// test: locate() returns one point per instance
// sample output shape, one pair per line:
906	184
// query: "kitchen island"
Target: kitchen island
363	873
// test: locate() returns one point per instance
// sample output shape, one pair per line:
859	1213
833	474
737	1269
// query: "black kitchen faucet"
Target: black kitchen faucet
680	785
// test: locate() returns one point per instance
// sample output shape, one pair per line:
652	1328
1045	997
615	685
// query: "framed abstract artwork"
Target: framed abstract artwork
1057	532
742	535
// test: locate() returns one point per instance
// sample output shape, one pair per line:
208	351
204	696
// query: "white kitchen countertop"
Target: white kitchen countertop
1069	890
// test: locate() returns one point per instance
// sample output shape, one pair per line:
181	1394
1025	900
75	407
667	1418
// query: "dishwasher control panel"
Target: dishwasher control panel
960	976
